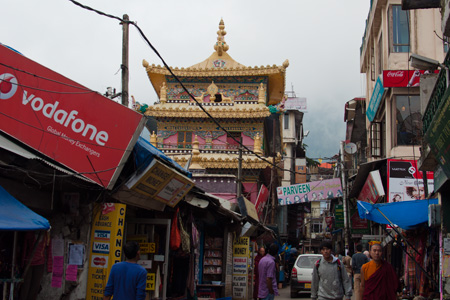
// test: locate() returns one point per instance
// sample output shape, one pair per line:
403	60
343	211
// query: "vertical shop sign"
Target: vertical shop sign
241	254
105	247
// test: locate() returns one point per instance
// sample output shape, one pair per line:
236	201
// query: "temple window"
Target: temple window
185	139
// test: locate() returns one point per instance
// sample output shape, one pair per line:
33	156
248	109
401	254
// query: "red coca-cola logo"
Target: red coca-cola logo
99	261
395	74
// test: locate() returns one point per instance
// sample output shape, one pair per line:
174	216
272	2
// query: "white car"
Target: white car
301	275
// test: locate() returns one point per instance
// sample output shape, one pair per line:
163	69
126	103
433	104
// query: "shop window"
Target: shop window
286	121
399	29
316	226
407	120
375	139
380	55
185	139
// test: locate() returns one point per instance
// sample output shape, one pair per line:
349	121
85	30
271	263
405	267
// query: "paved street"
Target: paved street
285	294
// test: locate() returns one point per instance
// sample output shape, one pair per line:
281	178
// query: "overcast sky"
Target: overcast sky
321	39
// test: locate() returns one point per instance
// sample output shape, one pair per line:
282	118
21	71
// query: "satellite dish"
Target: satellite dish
350	148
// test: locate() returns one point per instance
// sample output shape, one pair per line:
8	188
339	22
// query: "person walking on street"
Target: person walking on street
330	280
347	260
261	253
358	259
127	279
267	275
378	278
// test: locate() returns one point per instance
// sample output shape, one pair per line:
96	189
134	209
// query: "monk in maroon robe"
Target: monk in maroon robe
261	253
378	278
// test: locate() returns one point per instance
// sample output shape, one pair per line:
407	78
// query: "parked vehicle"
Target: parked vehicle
301	275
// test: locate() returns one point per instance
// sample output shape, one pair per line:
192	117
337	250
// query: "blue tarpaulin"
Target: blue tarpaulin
404	214
15	216
145	152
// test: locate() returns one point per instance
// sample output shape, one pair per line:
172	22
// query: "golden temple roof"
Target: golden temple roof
223	161
221	64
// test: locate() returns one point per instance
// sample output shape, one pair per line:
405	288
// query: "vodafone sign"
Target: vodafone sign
77	127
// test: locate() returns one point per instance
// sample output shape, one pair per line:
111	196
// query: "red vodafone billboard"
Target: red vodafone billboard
77	127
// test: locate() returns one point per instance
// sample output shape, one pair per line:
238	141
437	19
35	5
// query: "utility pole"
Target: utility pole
344	197
274	172
124	66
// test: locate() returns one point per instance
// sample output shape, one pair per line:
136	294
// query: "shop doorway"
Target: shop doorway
153	235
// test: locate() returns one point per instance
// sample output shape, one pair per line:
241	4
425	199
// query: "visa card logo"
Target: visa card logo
100	247
104	235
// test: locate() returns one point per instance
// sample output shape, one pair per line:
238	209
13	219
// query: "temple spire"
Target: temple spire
221	46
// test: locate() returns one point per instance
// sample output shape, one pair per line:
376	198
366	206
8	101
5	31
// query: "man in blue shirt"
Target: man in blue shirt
127	279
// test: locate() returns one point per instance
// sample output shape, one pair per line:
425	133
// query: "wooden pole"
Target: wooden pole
124	66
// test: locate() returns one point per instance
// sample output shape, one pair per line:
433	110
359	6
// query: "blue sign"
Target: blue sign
375	99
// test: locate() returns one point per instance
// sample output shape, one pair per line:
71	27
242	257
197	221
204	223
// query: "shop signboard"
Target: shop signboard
339	216
65	121
105	246
372	189
295	103
402	78
309	191
405	181
247	208
438	135
161	183
241	258
375	100
358	225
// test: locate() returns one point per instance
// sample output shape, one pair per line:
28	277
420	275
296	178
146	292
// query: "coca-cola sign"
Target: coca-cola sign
402	78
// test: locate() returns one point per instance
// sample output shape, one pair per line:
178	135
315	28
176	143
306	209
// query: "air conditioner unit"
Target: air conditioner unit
434	215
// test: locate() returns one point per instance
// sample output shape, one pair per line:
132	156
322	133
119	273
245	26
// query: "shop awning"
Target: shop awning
145	153
404	214
15	216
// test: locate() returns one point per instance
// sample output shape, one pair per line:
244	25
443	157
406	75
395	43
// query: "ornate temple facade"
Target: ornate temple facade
228	95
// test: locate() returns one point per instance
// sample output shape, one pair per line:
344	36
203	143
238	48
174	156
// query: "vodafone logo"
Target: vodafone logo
412	170
8	86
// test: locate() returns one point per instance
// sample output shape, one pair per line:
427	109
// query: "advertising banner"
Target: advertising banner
372	189
405	182
402	78
339	216
358	225
263	195
72	125
375	100
241	256
105	247
161	183
310	191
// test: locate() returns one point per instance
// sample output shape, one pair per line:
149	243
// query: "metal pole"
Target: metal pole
125	61
344	197
13	266
274	191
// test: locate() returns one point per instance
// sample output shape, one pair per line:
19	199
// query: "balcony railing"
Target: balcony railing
437	96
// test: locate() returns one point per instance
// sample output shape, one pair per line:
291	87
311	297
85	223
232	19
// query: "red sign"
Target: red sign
77	127
263	195
402	78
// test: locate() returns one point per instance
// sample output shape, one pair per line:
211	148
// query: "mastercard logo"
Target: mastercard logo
8	86
99	261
